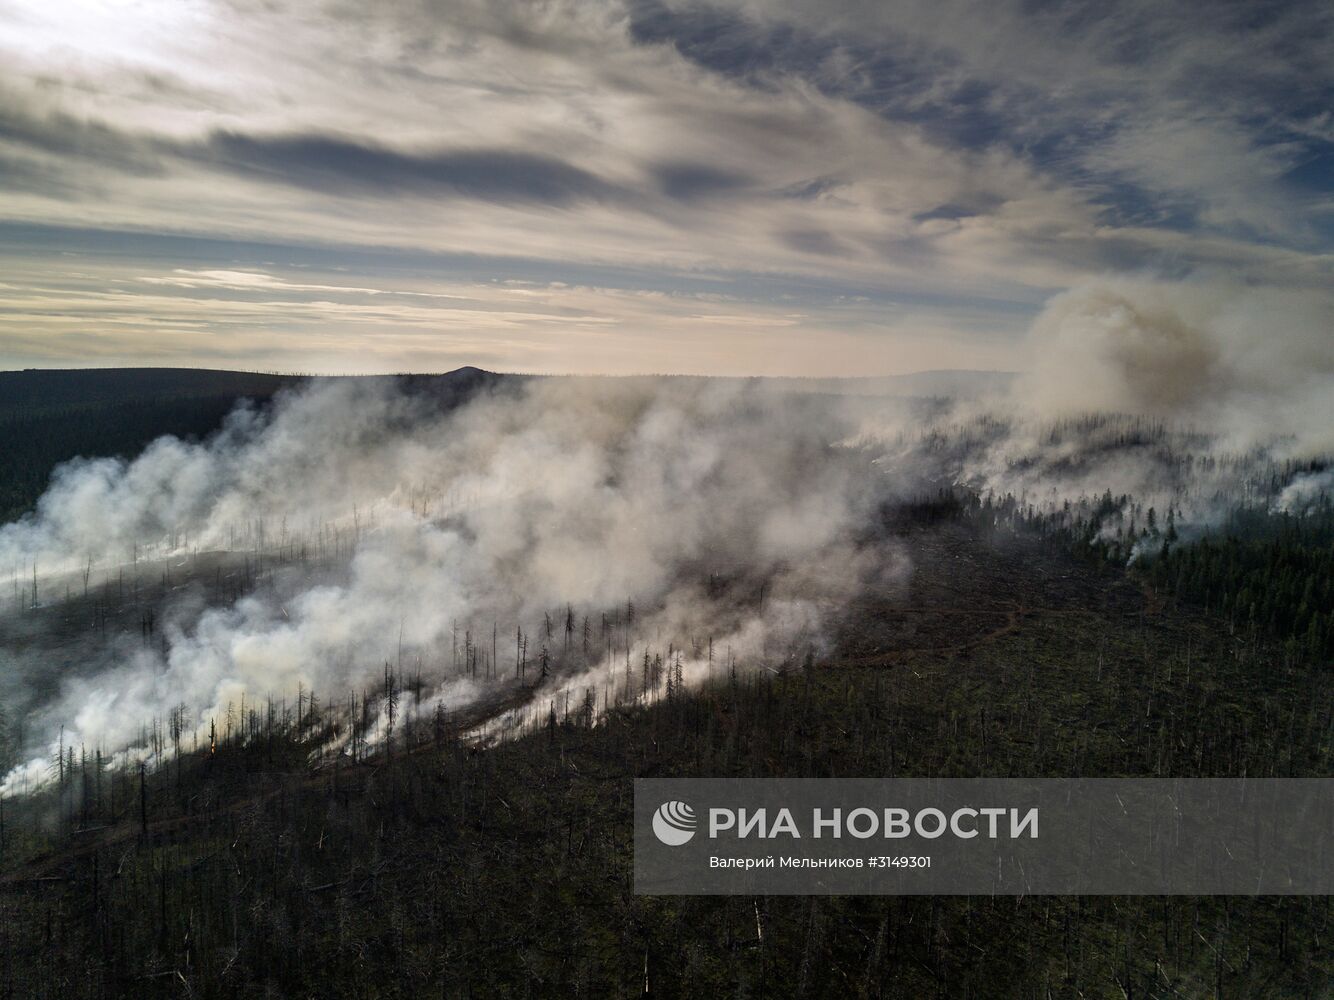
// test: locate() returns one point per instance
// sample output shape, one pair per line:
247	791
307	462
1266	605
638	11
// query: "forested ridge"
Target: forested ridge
1257	568
432	865
1089	638
1274	572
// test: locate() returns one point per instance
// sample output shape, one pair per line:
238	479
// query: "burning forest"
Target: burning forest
452	451
362	562
362	553
378	652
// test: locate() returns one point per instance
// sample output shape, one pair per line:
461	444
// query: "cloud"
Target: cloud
849	150
1183	104
345	166
691	181
72	138
408	312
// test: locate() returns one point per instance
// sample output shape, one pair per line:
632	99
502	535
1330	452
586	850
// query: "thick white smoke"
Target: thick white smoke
357	524
1190	397
397	532
1253	366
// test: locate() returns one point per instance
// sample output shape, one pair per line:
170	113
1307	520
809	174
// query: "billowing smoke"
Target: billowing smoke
1189	398
556	528
1254	366
587	541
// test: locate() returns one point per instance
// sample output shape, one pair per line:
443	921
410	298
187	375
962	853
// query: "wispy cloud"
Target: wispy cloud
953	163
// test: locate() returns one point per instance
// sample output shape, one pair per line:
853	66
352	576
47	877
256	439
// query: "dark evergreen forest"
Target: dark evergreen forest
435	864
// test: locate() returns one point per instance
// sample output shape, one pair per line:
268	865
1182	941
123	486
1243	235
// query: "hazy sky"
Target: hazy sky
727	187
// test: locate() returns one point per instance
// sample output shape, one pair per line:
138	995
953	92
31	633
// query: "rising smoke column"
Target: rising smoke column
1254	366
1191	396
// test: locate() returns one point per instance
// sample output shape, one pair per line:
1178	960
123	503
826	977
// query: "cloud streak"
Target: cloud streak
343	166
979	153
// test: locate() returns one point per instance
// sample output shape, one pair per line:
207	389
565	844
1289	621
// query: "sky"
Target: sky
729	187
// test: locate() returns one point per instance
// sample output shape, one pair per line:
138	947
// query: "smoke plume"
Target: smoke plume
1255	366
549	544
556	528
